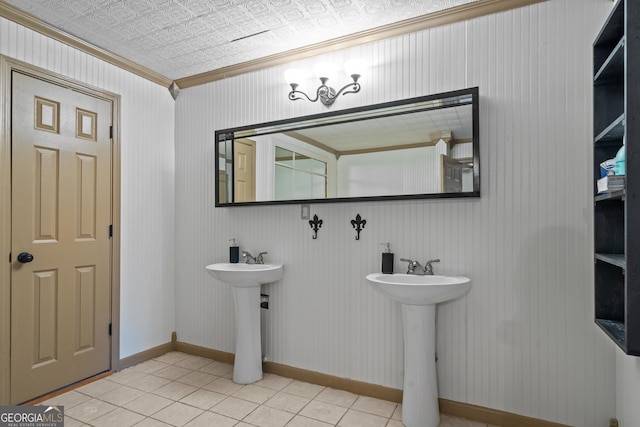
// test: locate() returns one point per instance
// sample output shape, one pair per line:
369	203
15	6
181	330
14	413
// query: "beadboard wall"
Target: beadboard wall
147	310
523	340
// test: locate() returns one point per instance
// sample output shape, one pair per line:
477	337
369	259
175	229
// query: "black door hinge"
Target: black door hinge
111	132
110	328
110	230
9	257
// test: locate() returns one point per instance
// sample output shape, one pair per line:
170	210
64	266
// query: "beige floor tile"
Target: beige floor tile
70	422
68	400
217	368
177	414
148	404
254	393
303	389
126	377
224	386
337	397
275	382
397	414
121	395
300	421
150	422
149	383
171	357
97	388
89	410
361	419
323	412
209	419
120	417
175	390
193	362
264	416
150	366
234	408
287	402
203	399
172	372
374	406
197	379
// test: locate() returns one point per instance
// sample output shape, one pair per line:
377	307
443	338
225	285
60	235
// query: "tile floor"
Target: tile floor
178	389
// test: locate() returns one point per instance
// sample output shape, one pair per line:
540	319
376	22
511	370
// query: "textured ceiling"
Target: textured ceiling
181	38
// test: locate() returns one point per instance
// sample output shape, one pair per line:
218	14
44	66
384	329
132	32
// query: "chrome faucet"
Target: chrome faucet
426	270
250	259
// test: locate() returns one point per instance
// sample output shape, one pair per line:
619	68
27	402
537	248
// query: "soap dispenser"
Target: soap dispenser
387	259
234	252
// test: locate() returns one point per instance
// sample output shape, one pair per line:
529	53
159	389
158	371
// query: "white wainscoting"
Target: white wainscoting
523	340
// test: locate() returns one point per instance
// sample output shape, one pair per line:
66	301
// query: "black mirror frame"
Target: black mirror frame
474	91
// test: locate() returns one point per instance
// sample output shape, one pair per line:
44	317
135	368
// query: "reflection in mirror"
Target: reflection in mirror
422	147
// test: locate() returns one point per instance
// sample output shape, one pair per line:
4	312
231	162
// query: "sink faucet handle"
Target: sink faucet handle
411	265
248	257
428	268
259	258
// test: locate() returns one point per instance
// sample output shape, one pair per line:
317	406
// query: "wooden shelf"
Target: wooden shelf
611	195
619	260
613	67
613	132
616	233
615	330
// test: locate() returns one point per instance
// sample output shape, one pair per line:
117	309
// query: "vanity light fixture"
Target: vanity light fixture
326	94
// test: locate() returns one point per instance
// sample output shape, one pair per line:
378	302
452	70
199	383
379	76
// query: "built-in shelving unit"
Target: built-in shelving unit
616	120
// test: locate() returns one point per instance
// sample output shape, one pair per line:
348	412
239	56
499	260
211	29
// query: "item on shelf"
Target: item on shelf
611	183
608	167
621	159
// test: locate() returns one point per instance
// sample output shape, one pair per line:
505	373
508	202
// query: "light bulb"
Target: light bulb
354	66
294	75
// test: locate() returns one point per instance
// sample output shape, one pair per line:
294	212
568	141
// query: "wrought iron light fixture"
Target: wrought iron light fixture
326	94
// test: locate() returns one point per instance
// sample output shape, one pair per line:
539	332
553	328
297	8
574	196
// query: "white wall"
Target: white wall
627	389
523	340
408	171
147	311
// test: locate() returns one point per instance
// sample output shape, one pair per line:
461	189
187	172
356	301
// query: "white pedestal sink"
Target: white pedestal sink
419	296
245	279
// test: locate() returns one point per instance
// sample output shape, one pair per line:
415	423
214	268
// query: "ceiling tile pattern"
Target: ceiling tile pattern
180	38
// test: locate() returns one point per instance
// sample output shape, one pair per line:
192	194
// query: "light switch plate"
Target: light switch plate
304	212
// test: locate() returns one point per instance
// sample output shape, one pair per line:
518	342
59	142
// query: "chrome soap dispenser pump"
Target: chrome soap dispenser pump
387	259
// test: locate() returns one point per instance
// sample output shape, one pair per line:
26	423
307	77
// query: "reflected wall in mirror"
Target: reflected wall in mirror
425	147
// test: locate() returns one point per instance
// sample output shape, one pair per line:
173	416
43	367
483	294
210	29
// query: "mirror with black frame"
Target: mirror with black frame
424	147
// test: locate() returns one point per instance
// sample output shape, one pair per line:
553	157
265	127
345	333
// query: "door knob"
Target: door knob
25	257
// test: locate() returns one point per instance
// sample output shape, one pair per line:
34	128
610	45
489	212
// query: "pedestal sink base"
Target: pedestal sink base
419	296
247	367
245	279
420	395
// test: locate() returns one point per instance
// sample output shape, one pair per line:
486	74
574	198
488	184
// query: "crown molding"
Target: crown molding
26	19
435	19
448	16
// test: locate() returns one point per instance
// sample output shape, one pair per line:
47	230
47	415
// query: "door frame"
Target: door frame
7	66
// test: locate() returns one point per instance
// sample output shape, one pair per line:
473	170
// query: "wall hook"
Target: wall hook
315	224
358	224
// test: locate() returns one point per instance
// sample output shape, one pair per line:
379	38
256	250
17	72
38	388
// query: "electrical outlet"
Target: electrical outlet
264	301
304	212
